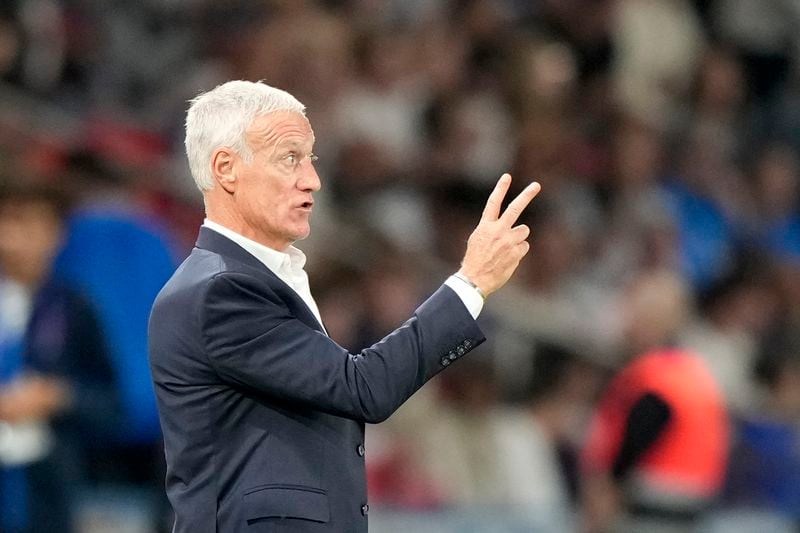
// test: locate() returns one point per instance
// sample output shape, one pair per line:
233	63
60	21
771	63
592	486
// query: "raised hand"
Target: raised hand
496	247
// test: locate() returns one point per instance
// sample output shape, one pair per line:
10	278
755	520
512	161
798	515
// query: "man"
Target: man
263	415
58	393
655	455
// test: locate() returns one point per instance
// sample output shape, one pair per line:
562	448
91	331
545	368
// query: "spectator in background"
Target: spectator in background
657	47
640	229
765	466
120	258
719	101
734	316
656	451
536	443
700	209
57	390
765	35
777	199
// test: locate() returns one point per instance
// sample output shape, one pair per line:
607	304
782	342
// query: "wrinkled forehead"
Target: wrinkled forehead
279	128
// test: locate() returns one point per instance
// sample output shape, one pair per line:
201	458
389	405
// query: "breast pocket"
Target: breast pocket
286	502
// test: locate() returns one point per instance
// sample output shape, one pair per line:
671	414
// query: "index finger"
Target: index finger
518	205
495	201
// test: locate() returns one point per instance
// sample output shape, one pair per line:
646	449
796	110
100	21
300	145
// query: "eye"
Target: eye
293	159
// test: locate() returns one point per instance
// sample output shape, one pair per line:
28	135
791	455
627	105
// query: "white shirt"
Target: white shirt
288	266
26	442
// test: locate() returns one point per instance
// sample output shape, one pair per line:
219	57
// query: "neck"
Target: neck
237	226
221	210
31	276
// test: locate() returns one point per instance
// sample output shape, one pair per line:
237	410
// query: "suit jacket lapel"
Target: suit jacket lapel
214	242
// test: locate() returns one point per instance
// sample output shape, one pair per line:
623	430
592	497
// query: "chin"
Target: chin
300	235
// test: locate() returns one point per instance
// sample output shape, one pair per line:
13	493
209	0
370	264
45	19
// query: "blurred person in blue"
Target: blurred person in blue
263	414
119	256
58	396
776	185
765	466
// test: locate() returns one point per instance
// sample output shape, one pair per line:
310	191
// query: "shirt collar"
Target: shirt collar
273	259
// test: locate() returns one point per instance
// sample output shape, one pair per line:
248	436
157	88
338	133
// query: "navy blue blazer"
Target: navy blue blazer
263	414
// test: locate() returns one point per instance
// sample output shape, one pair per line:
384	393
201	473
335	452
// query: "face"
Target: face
30	234
273	191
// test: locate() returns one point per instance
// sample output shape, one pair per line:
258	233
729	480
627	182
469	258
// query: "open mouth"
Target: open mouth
306	205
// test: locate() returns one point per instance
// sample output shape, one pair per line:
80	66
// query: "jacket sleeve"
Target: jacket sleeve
252	340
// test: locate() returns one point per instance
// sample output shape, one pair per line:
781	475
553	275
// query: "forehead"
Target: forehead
26	208
280	127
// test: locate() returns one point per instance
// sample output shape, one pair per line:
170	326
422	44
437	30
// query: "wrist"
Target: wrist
467	281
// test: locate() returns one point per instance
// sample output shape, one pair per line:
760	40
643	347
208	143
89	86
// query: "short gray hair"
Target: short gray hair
221	117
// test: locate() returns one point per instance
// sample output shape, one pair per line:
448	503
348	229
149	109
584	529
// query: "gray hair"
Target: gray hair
221	117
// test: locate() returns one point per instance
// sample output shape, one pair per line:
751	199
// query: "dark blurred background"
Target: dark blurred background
665	134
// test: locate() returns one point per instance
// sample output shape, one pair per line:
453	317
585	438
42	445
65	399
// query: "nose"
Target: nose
309	179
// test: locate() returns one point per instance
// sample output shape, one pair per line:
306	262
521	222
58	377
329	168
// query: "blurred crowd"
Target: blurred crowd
666	137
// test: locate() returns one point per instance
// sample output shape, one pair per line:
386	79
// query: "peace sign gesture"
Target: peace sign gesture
496	247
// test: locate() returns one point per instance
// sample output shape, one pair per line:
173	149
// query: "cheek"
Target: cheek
275	210
256	194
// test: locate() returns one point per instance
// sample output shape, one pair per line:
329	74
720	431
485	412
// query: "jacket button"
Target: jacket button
445	361
360	450
365	509
467	343
452	355
460	350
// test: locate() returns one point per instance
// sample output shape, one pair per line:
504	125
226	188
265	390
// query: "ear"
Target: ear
223	163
